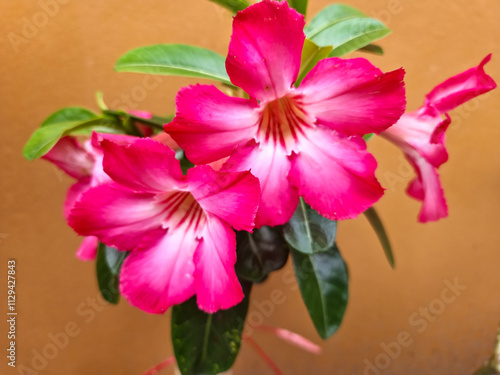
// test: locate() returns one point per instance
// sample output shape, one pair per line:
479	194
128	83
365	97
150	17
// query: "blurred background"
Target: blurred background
69	54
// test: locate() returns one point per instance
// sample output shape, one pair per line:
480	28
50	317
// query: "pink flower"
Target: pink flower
84	163
420	135
177	227
301	141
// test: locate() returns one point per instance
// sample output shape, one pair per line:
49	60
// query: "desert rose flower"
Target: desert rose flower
420	135
177	228
303	141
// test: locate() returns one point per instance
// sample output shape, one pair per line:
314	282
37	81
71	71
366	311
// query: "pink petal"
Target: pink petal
352	96
271	165
74	193
461	88
88	248
232	196
217	286
167	140
209	124
144	165
71	157
335	175
159	272
121	139
117	216
138	113
427	188
265	49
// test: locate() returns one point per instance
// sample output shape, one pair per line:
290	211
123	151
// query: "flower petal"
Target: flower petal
118	216
232	196
159	272
336	175
74	193
271	166
461	88
217	286
352	96
209	124
88	248
265	49
426	187
71	157
144	165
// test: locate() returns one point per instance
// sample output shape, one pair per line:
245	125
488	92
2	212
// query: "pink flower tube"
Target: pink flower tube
177	228
303	141
420	135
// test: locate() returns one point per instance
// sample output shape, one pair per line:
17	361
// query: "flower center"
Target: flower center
182	210
283	121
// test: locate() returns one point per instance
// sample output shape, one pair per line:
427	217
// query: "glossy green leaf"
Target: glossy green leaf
108	264
309	232
323	282
45	137
233	5
299	5
260	253
377	225
373	48
69	114
345	28
311	54
175	60
207	343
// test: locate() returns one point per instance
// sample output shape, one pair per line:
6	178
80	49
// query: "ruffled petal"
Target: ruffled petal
159	272
232	196
265	49
209	124
335	175
74	193
144	165
461	88
426	187
352	96
71	157
118	216
88	248
271	166
217	286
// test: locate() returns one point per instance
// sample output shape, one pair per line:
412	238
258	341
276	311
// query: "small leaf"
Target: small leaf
69	114
207	343
108	264
233	5
176	60
345	28
374	219
373	48
260	253
323	282
368	136
299	5
99	98
311	54
309	232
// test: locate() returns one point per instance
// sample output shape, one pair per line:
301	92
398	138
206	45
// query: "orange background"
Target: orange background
67	59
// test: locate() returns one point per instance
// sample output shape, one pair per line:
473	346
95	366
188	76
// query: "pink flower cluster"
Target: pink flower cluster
282	143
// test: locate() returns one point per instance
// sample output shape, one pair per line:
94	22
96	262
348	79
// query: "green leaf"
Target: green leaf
108	264
299	5
69	114
345	28
207	343
45	137
175	59
323	282
368	136
260	253
309	232
233	5
311	54
374	219
373	48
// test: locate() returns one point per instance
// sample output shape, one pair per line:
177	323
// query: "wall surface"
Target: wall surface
71	55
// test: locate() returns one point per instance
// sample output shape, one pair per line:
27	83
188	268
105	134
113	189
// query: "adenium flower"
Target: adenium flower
177	228
303	141
420	135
